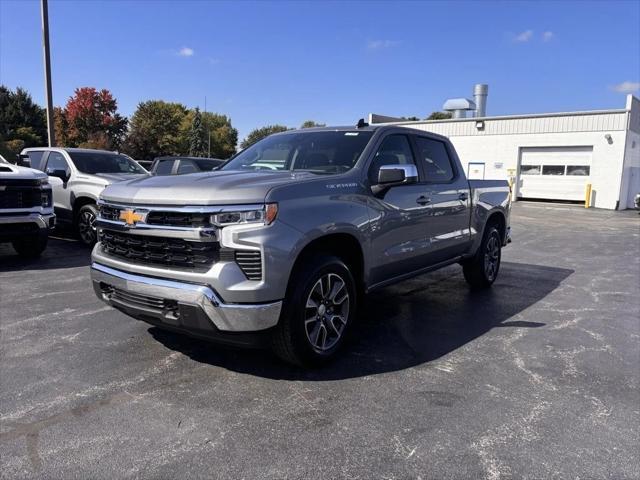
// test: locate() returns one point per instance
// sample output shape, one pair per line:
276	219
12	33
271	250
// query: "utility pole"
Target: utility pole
44	9
208	129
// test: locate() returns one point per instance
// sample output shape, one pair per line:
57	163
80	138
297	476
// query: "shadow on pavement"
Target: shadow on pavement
63	251
402	326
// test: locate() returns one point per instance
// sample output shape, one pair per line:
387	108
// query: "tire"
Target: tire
317	313
30	247
482	270
86	225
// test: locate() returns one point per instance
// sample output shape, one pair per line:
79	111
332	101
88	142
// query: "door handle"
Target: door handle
422	200
463	196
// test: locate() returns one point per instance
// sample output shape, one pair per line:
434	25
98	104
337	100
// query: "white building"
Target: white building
552	156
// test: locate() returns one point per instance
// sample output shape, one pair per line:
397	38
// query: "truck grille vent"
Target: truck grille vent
198	256
20	197
137	299
172	219
250	262
177	219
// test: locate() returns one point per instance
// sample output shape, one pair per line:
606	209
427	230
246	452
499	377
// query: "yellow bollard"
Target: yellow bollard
587	196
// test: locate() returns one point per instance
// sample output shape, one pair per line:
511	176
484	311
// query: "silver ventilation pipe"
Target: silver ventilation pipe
480	92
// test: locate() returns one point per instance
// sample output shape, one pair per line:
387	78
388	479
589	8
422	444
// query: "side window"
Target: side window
56	161
433	156
394	150
187	166
163	167
35	158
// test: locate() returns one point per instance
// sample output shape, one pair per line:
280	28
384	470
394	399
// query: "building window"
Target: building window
553	170
530	169
578	170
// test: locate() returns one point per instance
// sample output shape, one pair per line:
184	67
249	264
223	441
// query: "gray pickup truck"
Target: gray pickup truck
282	243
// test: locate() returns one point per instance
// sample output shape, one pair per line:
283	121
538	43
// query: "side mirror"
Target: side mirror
23	160
393	175
61	174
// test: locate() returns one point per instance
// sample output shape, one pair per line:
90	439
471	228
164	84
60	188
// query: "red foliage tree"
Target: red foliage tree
92	120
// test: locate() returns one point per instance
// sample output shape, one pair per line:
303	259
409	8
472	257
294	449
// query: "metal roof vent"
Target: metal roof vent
459	107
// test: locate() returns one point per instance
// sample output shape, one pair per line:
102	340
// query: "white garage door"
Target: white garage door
554	173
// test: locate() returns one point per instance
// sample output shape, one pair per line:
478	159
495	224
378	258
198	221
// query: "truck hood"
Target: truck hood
211	188
9	171
112	177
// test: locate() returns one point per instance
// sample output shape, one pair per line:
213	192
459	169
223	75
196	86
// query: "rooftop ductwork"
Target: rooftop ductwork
480	92
459	107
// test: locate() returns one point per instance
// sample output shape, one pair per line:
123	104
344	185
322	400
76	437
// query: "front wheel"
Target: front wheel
482	270
86	222
30	247
318	312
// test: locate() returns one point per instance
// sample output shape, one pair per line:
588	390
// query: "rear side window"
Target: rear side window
435	161
164	167
36	159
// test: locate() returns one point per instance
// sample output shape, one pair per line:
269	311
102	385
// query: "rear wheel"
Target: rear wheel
317	313
30	247
482	270
86	223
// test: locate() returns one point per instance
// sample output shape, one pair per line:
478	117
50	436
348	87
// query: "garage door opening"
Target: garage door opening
554	173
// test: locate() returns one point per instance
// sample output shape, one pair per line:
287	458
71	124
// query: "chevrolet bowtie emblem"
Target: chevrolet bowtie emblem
131	217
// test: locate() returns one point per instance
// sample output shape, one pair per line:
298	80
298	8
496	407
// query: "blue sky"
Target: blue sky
333	62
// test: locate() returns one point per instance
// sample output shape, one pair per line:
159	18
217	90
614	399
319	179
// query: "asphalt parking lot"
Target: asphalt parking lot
537	378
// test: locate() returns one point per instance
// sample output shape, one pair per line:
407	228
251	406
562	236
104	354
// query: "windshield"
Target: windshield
324	152
104	162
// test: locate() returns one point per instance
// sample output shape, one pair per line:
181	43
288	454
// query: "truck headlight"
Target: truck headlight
45	198
265	215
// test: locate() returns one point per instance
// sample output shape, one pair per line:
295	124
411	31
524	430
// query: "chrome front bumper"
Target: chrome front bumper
178	304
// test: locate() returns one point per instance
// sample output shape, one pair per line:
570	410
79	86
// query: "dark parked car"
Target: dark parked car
182	165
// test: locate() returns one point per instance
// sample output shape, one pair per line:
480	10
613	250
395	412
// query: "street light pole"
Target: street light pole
44	9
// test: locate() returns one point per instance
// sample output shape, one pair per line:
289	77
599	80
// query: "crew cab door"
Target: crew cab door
55	165
398	215
447	190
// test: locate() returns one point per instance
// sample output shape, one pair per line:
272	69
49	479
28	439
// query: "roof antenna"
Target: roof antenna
362	123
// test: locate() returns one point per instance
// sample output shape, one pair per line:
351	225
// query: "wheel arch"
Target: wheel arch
345	246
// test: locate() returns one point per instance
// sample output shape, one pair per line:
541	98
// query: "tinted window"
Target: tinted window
36	159
104	162
433	156
580	170
553	170
163	167
394	150
187	166
56	161
321	152
530	169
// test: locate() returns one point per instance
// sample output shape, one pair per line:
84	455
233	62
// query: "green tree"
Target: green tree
196	135
260	133
311	124
156	129
224	138
22	122
410	119
439	116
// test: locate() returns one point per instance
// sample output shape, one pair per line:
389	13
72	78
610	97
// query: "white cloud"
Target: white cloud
547	36
186	52
524	36
626	87
380	44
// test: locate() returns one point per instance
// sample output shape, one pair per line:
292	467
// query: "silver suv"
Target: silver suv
78	176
